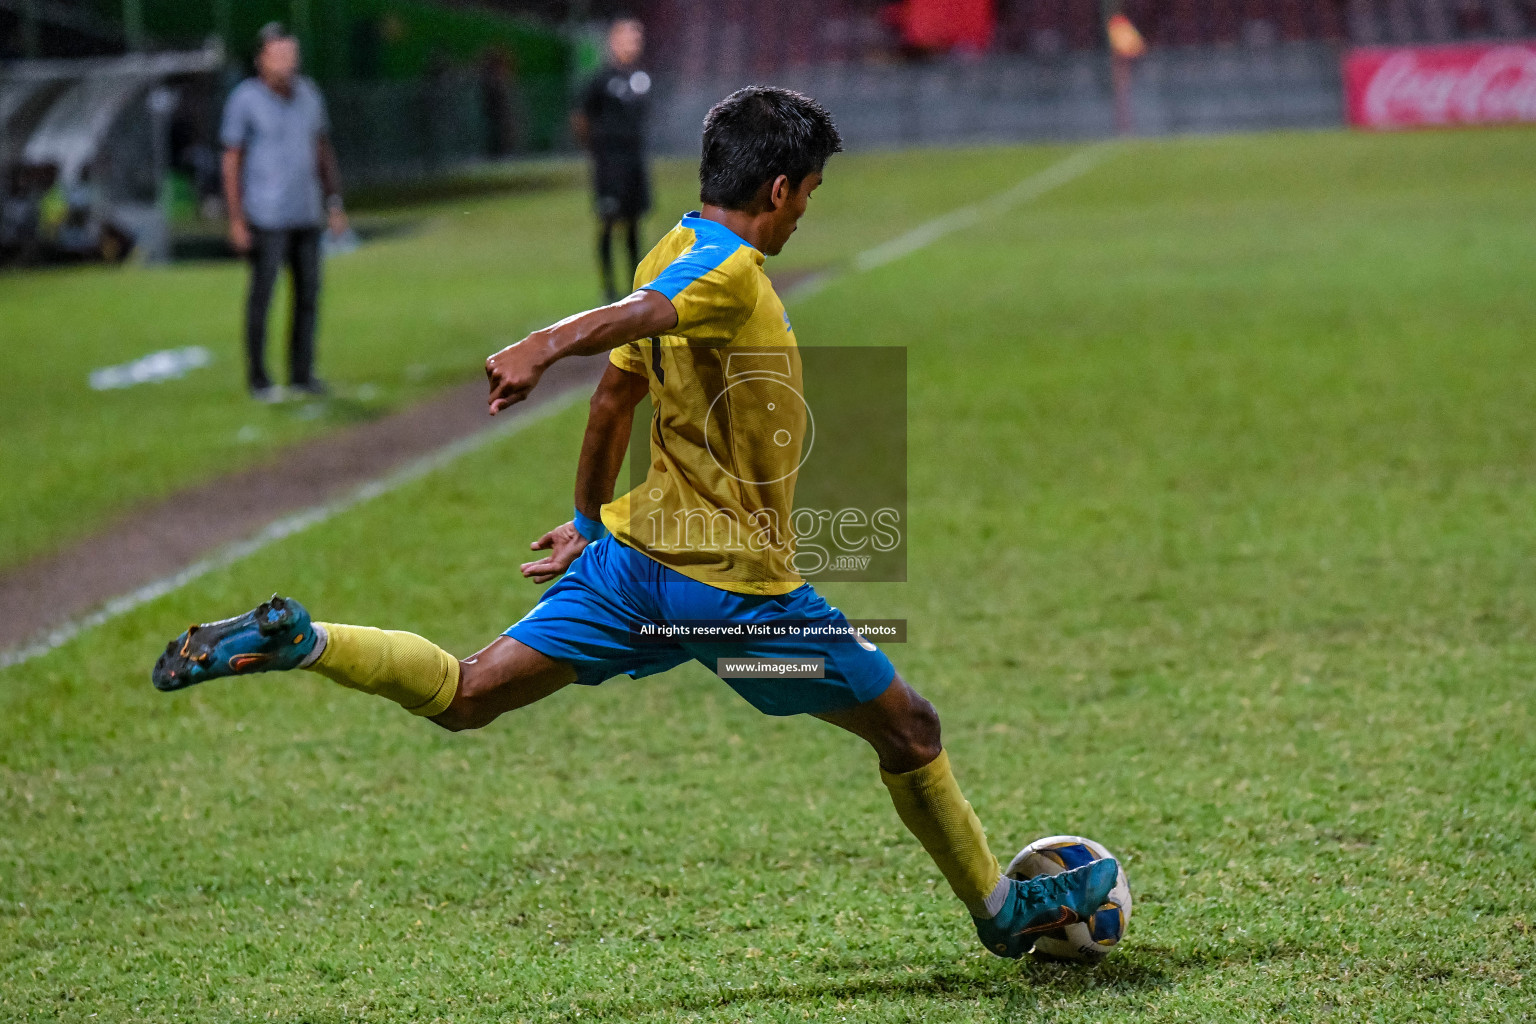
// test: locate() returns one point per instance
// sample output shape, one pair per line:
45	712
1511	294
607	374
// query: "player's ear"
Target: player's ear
779	192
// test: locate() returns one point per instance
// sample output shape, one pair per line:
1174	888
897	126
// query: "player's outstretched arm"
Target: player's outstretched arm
602	453
516	369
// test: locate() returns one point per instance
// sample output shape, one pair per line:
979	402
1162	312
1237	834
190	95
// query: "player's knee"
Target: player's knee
909	737
469	708
460	715
917	731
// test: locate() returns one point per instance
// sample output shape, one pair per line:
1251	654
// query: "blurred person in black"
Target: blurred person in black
282	186
498	87
610	124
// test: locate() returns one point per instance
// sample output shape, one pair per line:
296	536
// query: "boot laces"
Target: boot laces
1051	889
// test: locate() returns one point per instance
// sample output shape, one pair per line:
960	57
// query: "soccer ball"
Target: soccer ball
1088	941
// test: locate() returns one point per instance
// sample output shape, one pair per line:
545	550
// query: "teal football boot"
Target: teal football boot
274	636
1044	903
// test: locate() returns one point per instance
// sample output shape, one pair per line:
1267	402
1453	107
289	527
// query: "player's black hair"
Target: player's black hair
271	32
758	133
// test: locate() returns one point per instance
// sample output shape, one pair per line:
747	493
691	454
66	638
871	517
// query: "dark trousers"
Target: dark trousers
623	191
270	249
605	253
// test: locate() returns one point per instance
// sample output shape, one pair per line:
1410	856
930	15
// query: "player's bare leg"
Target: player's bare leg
901	726
904	730
502	677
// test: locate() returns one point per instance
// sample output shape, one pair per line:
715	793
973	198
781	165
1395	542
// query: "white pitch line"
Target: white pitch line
1028	190
287	526
922	236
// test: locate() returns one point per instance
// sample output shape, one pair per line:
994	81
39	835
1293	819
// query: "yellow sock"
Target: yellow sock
932	807
409	670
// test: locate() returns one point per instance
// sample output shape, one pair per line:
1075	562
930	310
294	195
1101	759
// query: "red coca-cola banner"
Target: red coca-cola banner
1419	86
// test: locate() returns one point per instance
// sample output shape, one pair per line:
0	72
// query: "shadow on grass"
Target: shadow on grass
205	243
341	410
1146	968
463	186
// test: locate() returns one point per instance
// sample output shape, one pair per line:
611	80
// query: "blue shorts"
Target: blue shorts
591	618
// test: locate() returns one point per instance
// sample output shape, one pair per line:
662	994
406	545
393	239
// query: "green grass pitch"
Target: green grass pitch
1223	525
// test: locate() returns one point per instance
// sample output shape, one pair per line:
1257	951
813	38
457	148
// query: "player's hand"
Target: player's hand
563	544
336	220
514	371
239	236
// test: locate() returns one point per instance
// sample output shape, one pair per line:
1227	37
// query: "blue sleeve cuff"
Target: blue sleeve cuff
591	529
688	268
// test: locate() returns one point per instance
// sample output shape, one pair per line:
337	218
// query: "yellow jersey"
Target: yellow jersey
729	418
